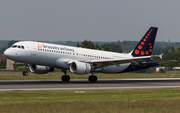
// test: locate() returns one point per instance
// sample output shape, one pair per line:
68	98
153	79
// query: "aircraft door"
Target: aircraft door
35	57
33	49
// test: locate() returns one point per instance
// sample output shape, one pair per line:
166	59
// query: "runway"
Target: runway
101	84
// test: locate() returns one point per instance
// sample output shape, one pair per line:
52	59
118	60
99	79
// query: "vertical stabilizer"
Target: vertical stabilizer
145	46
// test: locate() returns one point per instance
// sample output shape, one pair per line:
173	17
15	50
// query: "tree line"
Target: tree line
114	47
171	54
3	64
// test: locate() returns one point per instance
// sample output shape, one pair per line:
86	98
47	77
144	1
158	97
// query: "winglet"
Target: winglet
145	46
160	56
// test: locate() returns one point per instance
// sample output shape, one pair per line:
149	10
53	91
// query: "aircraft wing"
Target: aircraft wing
104	63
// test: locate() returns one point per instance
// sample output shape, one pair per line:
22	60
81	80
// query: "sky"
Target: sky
95	20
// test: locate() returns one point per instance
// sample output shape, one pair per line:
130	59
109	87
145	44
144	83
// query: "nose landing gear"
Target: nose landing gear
25	73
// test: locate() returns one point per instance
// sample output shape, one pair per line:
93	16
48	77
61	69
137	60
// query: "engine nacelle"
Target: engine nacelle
80	67
40	69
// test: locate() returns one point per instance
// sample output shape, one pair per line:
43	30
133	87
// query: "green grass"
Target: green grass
8	75
102	101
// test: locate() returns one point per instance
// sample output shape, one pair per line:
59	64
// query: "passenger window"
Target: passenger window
19	47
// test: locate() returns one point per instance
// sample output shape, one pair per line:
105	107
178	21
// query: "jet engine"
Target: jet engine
38	69
80	67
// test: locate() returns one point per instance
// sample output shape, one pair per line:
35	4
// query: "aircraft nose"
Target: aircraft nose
7	53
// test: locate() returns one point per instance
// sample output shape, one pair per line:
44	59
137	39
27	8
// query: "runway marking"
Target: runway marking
90	88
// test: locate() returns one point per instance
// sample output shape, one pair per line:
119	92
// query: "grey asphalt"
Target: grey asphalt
102	84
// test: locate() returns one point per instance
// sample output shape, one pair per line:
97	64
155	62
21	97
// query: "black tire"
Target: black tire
25	73
92	79
65	78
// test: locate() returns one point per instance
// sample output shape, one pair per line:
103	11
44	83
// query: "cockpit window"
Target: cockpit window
18	46
22	47
14	46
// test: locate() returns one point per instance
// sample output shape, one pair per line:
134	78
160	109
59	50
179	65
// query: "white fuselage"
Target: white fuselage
38	53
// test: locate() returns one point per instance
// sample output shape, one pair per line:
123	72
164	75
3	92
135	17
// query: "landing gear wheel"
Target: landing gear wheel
92	79
25	73
65	78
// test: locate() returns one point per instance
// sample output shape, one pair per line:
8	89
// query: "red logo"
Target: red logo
150	50
137	51
142	43
140	46
142	53
39	46
147	52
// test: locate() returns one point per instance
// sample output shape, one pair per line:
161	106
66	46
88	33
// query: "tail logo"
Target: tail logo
143	42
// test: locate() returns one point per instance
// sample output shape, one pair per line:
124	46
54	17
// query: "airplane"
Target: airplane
44	57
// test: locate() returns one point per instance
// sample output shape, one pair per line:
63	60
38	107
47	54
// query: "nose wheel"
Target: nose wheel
25	73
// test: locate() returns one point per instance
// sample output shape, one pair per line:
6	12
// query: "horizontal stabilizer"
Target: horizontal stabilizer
160	62
163	62
160	56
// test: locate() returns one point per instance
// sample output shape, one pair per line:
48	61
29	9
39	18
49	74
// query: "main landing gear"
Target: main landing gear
92	78
25	73
65	78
